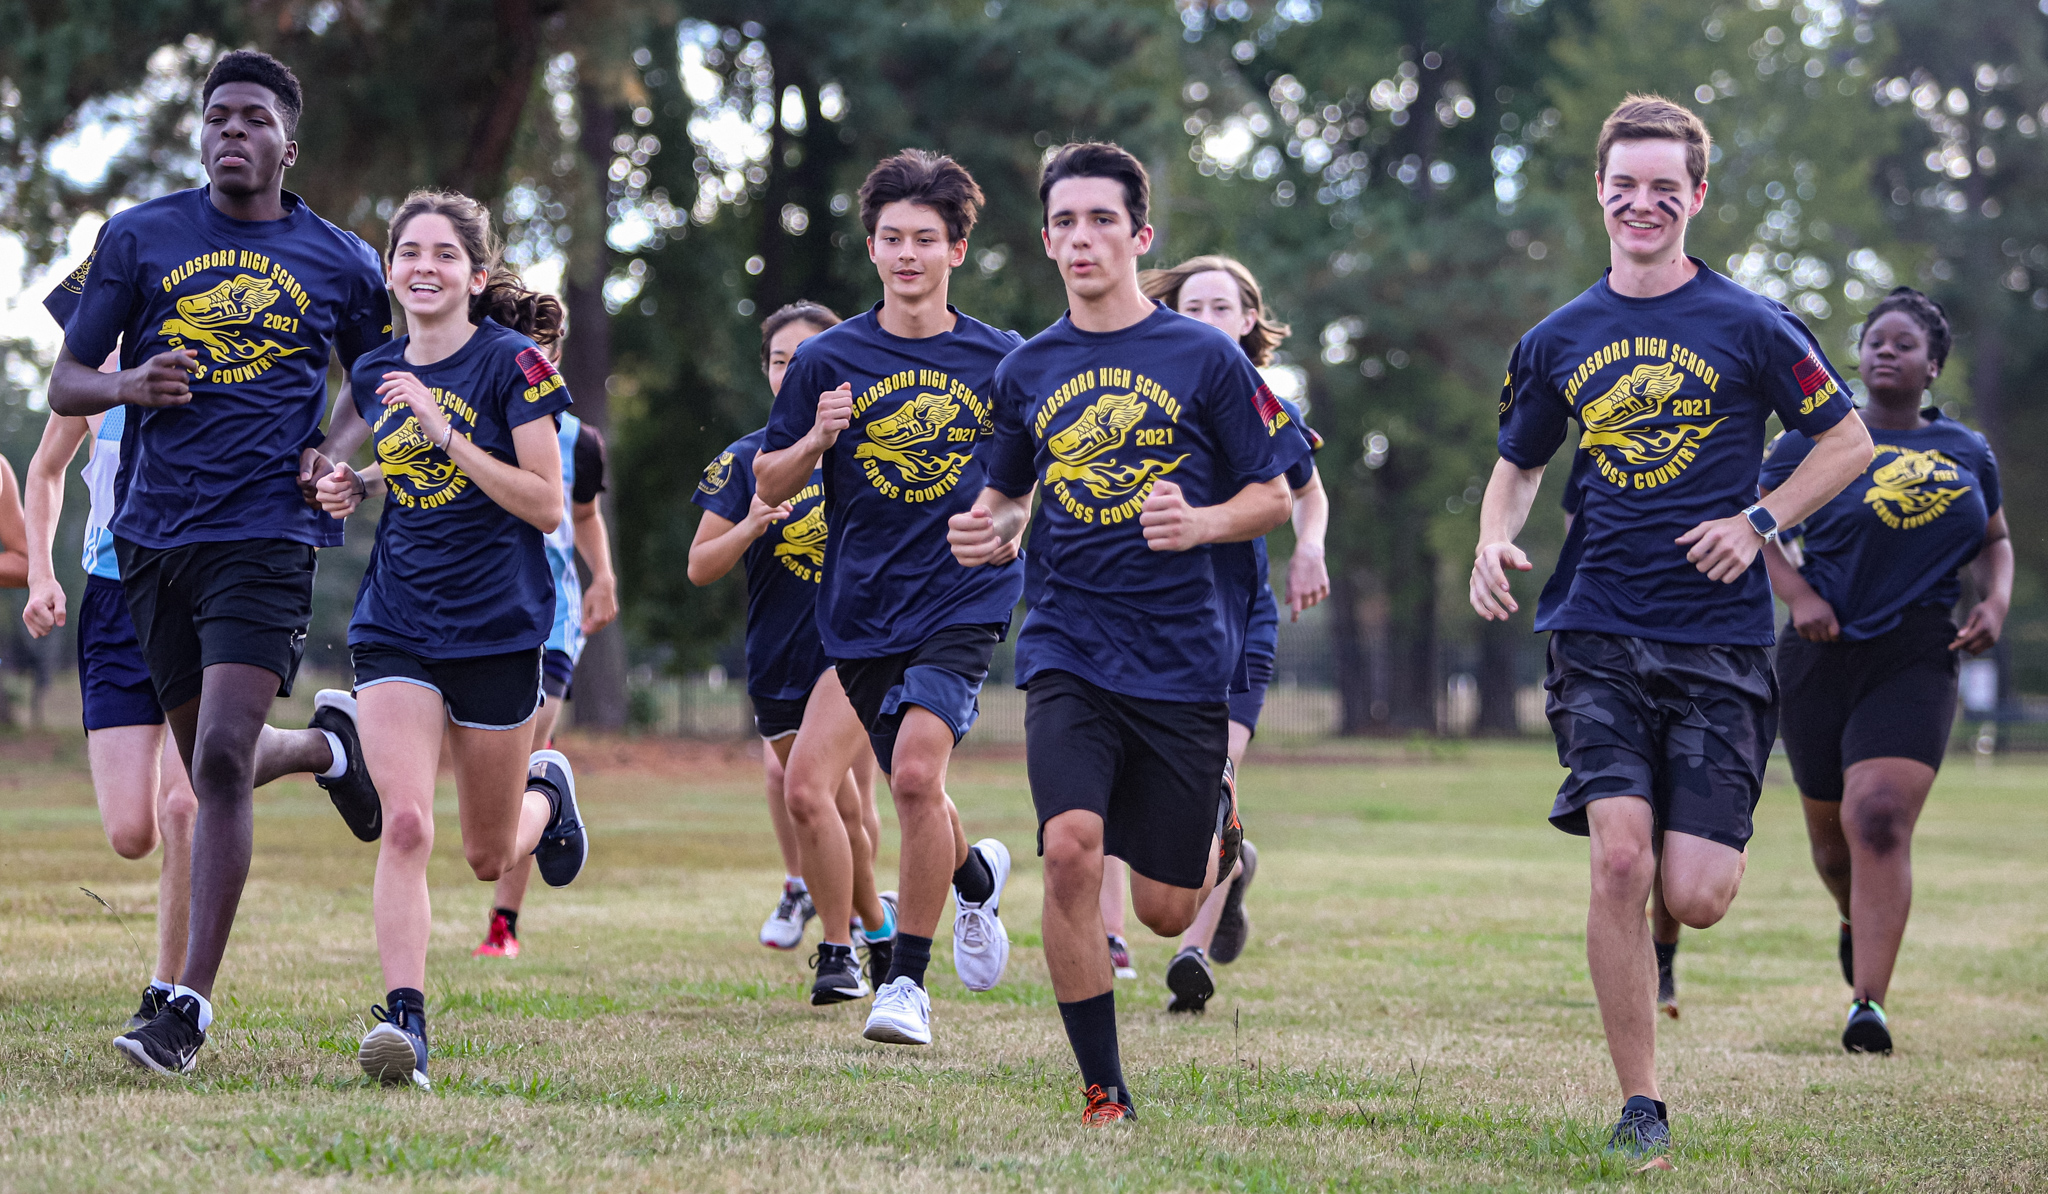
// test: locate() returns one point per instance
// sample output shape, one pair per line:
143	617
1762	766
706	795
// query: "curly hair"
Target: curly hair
254	66
1266	332
534	314
1924	311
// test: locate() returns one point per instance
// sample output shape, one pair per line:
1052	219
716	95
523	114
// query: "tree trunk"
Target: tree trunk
586	366
490	147
1499	644
1352	651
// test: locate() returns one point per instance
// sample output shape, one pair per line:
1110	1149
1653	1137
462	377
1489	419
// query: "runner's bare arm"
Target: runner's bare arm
1510	493
781	474
1723	547
42	500
594	544
1992	570
1308	576
720	542
987	533
1172	524
163	380
13	535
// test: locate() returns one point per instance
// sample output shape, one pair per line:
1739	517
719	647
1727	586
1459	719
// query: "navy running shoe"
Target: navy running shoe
1644	1129
563	844
168	1044
1867	1030
1189	978
354	796
395	1051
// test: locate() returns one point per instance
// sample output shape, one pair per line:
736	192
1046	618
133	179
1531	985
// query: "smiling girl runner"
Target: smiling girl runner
458	601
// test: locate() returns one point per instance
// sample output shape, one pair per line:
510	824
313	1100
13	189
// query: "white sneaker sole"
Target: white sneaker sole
139	1057
891	1032
388	1057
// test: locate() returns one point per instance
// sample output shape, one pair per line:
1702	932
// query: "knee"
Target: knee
1698	910
1168	918
1831	860
132	839
1072	867
485	865
917	781
1882	821
222	767
408	830
809	802
1623	870
180	809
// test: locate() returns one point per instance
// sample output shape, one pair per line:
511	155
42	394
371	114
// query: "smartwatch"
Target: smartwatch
1761	522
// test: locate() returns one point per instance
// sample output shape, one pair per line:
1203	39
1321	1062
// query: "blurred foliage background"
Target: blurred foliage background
1411	180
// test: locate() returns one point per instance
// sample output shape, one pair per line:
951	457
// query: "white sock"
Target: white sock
157	984
205	1005
793	883
339	767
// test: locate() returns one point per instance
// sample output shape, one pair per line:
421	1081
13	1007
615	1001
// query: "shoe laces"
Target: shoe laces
791	903
1103	1107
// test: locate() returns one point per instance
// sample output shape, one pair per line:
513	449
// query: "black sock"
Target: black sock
415	1002
974	882
913	954
1665	953
1091	1030
535	783
511	916
828	950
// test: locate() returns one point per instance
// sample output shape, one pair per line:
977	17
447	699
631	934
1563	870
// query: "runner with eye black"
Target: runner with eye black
227	304
1661	694
1868	658
893	406
579	613
462	412
1221	292
1146	434
788	678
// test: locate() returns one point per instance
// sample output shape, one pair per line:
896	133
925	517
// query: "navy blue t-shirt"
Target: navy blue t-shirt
262	303
909	462
784	566
455	575
1896	537
1095	419
1672	394
1244	570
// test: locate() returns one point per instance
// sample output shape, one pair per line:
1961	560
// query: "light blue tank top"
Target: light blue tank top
567	636
99	472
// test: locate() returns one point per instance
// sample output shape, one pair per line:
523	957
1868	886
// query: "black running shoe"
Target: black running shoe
1229	830
1867	1031
169	1044
1644	1129
1189	978
354	796
839	978
1234	928
1845	949
881	953
153	1000
394	1052
563	844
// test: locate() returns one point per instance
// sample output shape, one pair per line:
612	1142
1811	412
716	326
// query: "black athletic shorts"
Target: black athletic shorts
557	674
1152	770
483	692
113	678
944	674
1686	726
242	601
1893	696
775	717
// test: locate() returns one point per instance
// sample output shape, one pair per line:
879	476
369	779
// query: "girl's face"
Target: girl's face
1215	298
430	271
782	346
1893	355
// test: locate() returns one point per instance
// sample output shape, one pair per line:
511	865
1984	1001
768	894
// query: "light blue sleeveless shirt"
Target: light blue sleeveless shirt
567	636
99	473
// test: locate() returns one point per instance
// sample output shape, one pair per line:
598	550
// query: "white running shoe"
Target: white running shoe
784	928
981	945
900	1015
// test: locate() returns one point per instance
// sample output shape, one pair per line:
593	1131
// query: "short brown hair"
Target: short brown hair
1654	118
927	179
1099	159
1267	332
818	315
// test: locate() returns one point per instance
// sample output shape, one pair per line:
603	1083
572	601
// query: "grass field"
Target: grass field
1413	1013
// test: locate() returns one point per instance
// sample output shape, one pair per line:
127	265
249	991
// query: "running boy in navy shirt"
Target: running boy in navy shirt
1660	679
1146	431
892	405
227	303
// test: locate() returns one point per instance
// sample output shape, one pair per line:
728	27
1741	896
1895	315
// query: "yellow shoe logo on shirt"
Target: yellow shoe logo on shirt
220	318
916	473
1105	427
1660	453
805	537
1896	494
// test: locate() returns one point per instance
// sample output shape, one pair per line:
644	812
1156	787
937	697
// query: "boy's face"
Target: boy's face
1648	196
242	141
1088	233
910	249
